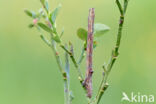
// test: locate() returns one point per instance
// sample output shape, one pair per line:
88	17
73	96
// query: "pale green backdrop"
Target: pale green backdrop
29	73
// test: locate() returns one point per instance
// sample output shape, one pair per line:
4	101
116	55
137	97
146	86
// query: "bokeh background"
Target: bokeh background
29	73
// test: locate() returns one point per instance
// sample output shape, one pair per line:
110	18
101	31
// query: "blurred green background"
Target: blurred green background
29	73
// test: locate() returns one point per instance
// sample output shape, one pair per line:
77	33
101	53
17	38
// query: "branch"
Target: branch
115	53
58	60
89	70
119	6
74	62
67	82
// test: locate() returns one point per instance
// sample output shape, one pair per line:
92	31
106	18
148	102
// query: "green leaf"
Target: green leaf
57	39
85	44
45	27
94	44
42	2
46	5
31	25
30	13
54	14
82	34
62	32
100	29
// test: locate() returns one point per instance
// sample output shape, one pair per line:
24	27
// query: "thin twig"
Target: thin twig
119	6
115	53
74	62
67	82
58	60
46	41
82	55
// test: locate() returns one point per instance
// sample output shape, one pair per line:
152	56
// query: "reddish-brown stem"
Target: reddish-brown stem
89	70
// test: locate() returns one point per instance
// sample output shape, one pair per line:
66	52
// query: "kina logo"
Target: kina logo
137	98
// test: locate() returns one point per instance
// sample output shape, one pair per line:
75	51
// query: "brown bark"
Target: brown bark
89	70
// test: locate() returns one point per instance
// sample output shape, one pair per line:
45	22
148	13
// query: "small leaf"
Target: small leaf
85	45
82	34
30	13
94	44
100	29
54	14
57	39
42	2
31	25
45	27
62	32
46	5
